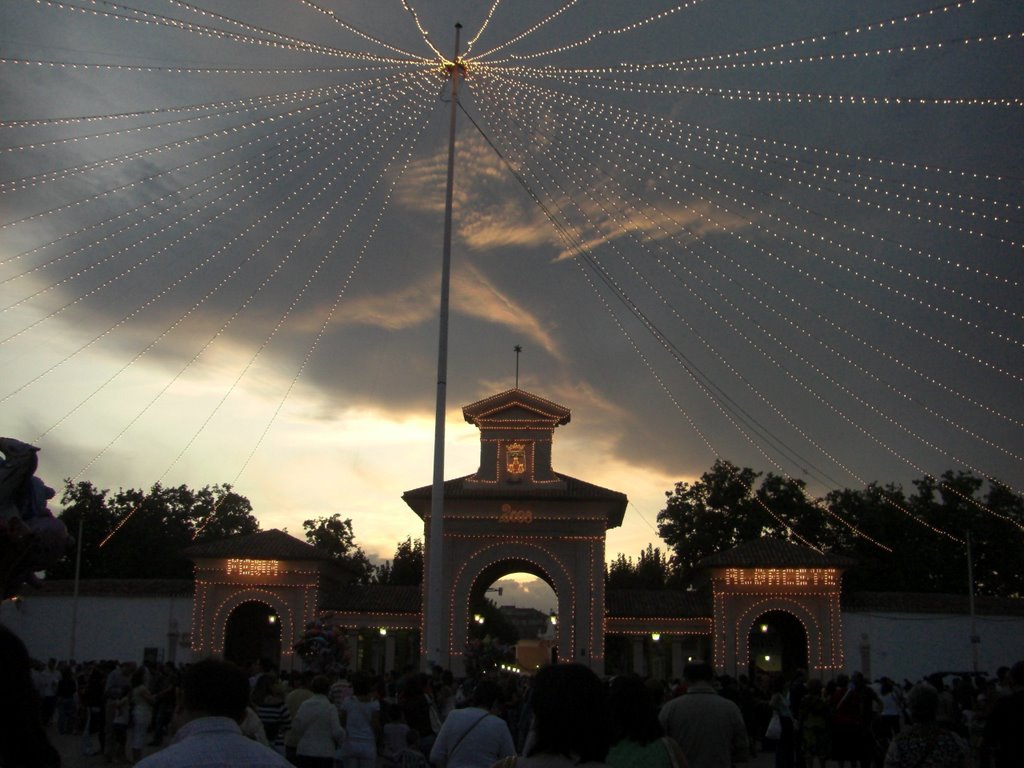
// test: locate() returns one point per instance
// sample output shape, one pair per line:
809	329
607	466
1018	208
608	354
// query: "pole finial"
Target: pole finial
518	348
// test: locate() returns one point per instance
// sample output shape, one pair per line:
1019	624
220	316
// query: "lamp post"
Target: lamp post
73	634
975	639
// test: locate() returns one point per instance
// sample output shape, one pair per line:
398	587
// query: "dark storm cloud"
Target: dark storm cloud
801	278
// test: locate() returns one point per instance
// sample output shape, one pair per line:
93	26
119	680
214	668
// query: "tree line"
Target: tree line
902	541
894	535
135	534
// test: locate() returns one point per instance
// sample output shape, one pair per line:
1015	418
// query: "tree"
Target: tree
901	542
923	559
723	509
651	570
406	569
147	531
335	536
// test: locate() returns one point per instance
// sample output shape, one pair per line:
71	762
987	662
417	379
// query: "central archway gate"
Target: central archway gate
516	514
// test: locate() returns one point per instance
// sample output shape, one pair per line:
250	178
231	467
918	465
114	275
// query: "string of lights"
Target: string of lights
109	67
487	20
284	160
889	316
621	85
847	55
333	16
702	63
148	236
681	134
676	354
277	136
617	138
274	40
529	31
328	318
113	191
47	177
598	34
407	123
423	32
193	271
705	385
227	109
619	169
808	239
677	138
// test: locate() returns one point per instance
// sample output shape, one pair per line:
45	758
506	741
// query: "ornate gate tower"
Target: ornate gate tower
516	514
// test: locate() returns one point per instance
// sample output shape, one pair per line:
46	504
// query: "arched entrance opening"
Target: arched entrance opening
778	644
252	632
512	618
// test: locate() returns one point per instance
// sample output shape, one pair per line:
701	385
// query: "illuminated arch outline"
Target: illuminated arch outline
555	574
221	614
744	624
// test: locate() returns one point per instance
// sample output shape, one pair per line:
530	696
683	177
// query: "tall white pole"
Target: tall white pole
434	613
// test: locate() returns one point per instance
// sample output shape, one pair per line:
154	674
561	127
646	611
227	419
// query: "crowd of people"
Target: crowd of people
211	713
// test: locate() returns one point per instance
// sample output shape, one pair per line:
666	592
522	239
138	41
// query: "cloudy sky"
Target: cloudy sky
786	234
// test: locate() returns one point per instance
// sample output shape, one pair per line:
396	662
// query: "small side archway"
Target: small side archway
770	575
778	642
269	569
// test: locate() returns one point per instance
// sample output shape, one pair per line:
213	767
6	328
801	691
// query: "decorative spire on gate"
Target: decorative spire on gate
516	431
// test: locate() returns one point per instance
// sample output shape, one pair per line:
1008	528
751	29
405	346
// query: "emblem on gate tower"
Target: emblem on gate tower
515	460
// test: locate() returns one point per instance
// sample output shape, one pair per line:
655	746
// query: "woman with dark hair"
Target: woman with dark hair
570	721
23	742
637	736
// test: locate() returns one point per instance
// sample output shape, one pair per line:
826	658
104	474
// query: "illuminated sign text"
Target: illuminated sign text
781	577
253	568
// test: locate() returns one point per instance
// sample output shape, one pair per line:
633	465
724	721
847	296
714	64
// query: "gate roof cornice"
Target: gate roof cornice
515	405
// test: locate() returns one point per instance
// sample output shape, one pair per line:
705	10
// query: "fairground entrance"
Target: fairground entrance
516	514
776	608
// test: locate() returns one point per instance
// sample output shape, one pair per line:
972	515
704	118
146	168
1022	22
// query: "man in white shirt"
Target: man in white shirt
474	737
211	703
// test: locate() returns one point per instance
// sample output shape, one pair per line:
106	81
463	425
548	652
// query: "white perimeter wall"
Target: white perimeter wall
900	645
910	646
108	627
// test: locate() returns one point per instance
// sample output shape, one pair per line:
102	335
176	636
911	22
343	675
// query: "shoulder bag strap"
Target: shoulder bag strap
466	733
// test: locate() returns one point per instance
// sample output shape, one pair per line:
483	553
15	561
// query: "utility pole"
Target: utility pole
434	613
975	639
73	635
